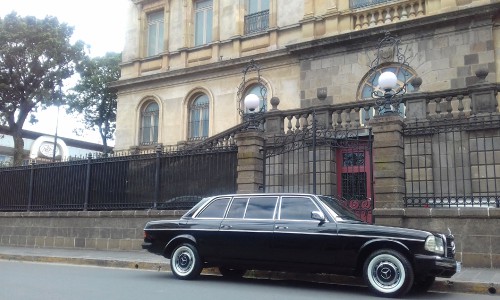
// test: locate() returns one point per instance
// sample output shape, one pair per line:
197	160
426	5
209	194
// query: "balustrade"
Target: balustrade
388	13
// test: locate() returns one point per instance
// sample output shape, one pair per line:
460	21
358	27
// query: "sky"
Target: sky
98	23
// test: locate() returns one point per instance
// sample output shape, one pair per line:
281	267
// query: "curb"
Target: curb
88	262
441	285
448	286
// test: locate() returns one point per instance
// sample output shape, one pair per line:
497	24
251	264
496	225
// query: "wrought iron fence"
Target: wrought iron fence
453	162
313	158
257	22
163	180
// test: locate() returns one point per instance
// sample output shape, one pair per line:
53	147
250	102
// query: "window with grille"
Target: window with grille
199	118
149	124
257	17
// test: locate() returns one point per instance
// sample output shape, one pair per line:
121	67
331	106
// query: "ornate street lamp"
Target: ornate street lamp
386	100
389	95
249	105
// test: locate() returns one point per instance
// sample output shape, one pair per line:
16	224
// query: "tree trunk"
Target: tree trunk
18	147
104	141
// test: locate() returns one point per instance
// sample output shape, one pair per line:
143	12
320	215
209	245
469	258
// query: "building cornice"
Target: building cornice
417	27
213	70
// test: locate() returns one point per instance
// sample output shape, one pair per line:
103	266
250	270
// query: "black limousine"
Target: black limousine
299	233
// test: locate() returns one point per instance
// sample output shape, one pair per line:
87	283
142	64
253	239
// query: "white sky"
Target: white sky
98	23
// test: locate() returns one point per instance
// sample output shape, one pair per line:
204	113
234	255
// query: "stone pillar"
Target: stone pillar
250	161
416	104
388	161
483	94
274	120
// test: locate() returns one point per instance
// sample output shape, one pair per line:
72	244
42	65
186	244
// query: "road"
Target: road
27	281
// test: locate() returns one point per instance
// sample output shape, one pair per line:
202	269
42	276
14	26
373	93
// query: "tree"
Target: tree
35	57
93	96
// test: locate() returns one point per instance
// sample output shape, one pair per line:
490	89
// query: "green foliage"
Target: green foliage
35	57
93	97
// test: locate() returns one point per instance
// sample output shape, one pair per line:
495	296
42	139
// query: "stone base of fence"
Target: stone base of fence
100	230
475	229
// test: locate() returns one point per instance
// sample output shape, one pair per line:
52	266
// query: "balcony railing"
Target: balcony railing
392	12
364	3
257	22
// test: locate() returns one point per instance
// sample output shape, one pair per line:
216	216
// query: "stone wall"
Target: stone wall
100	230
475	229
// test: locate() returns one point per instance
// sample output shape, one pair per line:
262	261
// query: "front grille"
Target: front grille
450	246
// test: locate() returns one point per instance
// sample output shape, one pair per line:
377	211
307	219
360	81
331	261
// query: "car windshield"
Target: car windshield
337	208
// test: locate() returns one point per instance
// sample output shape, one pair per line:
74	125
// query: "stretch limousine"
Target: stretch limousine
299	233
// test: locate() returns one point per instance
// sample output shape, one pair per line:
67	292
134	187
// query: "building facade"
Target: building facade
182	65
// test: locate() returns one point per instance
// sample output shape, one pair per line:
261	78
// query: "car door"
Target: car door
206	224
247	230
299	240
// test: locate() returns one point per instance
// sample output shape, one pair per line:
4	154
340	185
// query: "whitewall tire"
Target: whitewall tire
185	262
388	273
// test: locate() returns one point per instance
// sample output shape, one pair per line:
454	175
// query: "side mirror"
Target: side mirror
317	215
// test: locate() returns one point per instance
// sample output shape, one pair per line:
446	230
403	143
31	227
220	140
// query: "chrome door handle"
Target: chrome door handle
226	226
281	227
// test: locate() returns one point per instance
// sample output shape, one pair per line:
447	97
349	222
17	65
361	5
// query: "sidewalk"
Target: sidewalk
479	281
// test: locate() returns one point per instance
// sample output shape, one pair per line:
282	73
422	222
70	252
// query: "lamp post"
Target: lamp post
388	83
251	103
389	93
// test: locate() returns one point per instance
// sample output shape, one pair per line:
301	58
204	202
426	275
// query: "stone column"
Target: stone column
250	161
388	161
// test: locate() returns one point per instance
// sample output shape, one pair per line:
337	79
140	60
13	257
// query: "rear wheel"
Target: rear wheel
185	262
388	273
232	273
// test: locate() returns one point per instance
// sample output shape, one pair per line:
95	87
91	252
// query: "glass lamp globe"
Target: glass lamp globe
251	102
387	81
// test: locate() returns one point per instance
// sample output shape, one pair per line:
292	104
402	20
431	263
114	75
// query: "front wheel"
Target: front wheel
185	262
388	273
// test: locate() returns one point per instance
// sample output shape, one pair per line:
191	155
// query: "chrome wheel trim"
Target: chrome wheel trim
386	273
183	261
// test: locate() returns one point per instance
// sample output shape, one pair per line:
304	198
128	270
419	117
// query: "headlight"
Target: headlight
434	244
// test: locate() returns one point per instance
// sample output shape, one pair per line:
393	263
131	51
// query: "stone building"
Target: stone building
183	60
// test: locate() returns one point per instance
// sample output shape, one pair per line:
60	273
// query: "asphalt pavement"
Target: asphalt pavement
469	280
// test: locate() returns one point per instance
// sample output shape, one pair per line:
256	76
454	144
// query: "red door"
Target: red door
354	180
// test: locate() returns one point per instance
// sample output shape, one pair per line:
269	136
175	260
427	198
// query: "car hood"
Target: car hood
364	229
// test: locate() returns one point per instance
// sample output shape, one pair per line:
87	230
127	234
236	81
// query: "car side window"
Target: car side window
237	208
261	208
297	208
216	209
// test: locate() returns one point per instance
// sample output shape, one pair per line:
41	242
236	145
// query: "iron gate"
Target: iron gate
335	161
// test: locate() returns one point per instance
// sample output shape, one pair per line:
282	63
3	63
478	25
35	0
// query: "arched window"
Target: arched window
199	118
370	84
259	90
149	124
